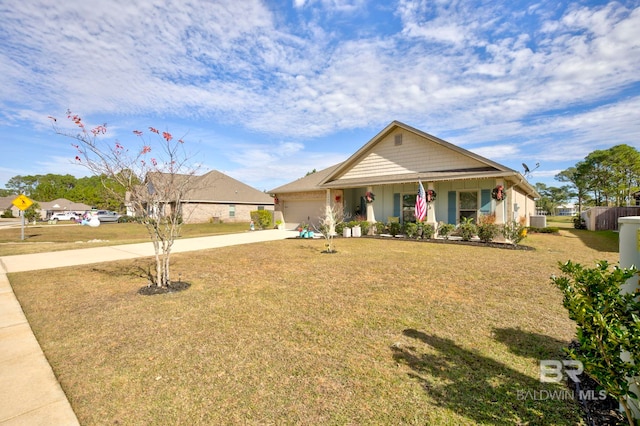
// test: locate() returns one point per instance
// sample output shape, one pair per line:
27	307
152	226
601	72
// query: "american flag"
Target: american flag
421	203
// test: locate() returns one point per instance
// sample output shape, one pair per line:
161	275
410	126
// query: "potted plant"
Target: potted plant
279	224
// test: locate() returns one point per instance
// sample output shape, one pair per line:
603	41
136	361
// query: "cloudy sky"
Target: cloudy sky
266	91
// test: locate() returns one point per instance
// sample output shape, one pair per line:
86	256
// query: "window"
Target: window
469	204
260	208
398	139
232	210
408	208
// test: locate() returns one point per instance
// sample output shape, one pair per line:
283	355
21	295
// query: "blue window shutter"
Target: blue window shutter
485	201
452	207
396	205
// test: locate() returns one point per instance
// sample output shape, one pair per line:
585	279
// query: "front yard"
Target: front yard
382	332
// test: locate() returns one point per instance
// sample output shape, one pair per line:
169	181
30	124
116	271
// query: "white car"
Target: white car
65	216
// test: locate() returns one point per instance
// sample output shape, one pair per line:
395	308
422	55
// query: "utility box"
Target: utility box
538	221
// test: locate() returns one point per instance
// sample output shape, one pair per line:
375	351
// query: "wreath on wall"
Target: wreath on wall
431	195
369	197
498	193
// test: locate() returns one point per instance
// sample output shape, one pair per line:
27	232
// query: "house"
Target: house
46	208
6	204
61	205
569	209
213	196
379	182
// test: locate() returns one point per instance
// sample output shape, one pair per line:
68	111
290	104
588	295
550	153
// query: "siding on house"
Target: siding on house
387	158
203	212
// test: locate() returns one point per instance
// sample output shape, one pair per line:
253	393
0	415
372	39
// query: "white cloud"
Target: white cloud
500	79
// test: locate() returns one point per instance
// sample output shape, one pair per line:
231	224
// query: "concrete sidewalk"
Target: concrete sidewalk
29	391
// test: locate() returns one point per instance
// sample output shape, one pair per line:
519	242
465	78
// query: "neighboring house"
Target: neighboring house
390	165
569	209
214	197
61	205
47	208
6	203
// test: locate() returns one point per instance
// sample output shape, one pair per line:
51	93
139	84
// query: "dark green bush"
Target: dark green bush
607	322
7	213
127	219
381	228
364	227
547	230
445	229
467	229
427	231
487	232
579	223
395	228
411	229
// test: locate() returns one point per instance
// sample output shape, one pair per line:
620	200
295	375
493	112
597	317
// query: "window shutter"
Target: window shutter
451	207
396	205
485	201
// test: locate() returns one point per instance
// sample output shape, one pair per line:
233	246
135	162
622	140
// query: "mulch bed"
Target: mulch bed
174	287
597	411
492	244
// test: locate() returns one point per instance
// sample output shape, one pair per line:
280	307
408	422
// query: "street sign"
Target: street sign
22	202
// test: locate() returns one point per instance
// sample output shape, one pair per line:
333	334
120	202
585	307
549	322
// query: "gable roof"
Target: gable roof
417	156
216	187
63	204
310	182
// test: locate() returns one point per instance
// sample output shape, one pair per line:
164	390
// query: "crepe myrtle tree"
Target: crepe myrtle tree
327	225
155	174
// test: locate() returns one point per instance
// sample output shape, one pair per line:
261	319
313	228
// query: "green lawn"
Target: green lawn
382	332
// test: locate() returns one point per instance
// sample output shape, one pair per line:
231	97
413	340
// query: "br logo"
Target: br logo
553	370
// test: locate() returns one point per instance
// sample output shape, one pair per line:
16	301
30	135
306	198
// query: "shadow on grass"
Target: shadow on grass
531	345
478	387
604	241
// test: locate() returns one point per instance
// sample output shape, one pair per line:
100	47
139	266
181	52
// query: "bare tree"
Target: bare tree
327	225
156	175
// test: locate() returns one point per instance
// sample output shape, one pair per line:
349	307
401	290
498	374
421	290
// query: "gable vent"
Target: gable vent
398	139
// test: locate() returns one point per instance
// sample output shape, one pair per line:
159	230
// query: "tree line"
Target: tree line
606	177
97	191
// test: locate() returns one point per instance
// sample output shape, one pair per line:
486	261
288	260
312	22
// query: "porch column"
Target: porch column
371	217
431	210
500	207
328	213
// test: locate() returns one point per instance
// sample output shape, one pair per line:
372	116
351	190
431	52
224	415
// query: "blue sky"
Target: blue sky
267	91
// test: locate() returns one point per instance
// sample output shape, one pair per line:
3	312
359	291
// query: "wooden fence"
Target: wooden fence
606	218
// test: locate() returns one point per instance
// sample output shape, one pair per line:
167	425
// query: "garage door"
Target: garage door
297	212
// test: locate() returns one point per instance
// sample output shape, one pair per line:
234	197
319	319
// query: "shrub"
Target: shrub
395	228
515	231
579	223
380	228
427	231
487	228
7	213
127	219
607	322
340	227
467	229
546	230
364	227
262	218
445	229
410	229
